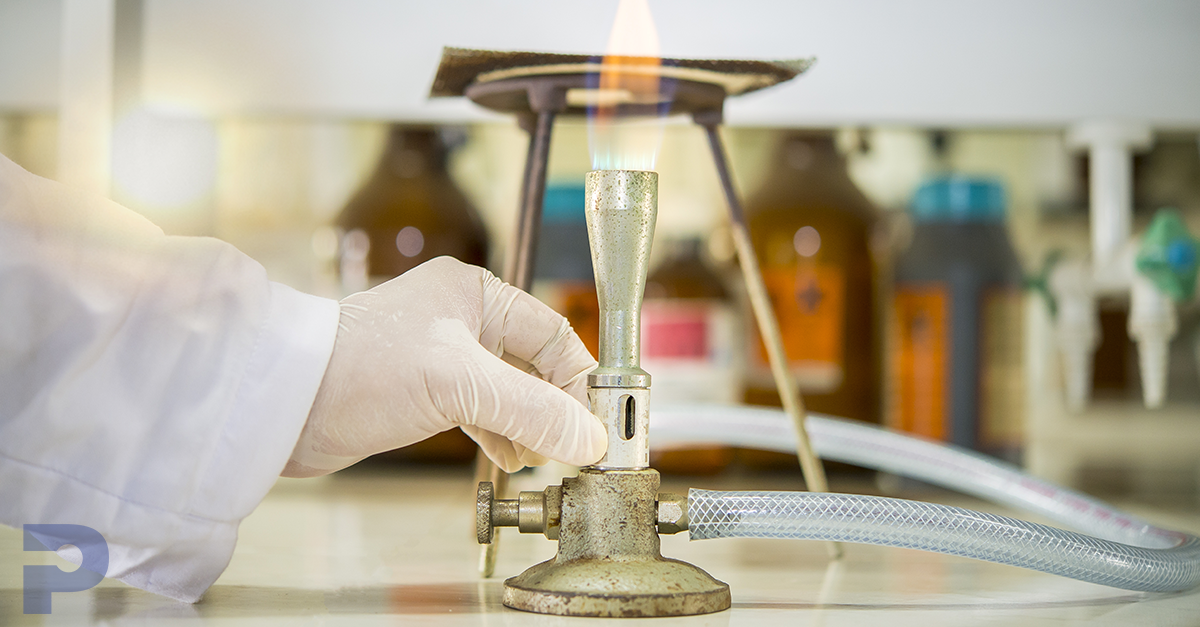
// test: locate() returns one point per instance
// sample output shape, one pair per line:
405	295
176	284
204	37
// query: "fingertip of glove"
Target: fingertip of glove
593	442
508	462
599	440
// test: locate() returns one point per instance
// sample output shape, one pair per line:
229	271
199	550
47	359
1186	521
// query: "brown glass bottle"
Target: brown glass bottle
411	211
811	230
691	347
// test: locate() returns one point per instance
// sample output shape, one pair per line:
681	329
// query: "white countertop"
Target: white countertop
398	549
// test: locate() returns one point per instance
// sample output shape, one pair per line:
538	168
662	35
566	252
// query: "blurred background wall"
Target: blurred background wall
256	121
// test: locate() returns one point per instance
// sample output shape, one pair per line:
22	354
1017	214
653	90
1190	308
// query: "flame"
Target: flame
629	76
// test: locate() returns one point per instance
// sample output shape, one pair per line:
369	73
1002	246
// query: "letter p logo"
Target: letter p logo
41	581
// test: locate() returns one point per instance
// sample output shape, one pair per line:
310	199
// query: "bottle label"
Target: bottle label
920	355
922	373
1002	379
809	301
675	330
689	349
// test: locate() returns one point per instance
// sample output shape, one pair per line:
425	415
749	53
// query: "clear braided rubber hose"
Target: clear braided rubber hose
1128	552
942	529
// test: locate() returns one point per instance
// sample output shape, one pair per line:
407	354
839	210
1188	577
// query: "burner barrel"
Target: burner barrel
621	209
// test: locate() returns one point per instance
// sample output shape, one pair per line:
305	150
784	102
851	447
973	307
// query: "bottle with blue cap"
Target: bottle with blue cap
956	359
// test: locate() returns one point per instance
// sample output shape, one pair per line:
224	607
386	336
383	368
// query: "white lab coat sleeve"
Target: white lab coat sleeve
151	387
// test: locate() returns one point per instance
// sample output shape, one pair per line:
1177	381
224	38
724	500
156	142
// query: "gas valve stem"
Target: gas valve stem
530	512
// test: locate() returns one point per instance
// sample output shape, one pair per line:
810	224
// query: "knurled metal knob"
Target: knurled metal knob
531	512
491	512
485	498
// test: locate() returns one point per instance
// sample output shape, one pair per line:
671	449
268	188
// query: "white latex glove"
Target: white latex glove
422	354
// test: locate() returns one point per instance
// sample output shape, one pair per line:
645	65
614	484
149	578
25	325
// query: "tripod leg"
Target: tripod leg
518	271
768	325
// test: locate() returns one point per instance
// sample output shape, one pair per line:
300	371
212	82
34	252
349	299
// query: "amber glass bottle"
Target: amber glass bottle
411	210
691	347
811	230
408	212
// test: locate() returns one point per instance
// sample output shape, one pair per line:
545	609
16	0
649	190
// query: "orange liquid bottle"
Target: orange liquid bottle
811	228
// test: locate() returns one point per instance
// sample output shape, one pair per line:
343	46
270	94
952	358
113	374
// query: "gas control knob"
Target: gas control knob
532	512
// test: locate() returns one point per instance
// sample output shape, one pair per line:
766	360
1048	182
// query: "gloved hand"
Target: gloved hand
422	354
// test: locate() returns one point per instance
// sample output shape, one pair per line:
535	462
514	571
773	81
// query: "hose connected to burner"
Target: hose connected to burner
1117	549
943	529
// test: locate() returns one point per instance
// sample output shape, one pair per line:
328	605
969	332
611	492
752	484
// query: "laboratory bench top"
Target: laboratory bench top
386	547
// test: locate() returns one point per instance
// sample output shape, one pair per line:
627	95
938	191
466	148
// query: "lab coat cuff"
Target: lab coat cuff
269	410
271	404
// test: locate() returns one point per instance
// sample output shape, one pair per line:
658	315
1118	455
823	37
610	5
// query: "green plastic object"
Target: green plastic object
1168	255
1040	283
